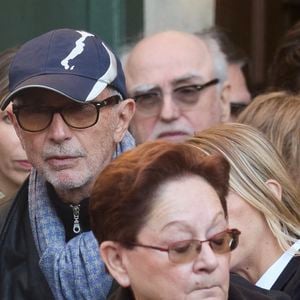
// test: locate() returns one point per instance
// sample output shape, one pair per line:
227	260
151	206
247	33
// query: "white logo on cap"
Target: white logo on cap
108	77
79	47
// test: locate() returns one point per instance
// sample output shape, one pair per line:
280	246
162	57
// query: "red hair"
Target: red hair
123	194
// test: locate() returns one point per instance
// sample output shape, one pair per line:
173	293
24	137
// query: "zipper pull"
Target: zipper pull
76	212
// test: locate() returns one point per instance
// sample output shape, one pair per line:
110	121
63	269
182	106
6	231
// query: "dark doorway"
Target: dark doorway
257	26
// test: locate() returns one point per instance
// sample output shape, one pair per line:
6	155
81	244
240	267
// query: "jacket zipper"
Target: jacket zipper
76	213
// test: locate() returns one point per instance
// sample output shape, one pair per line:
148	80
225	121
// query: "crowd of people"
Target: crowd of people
162	181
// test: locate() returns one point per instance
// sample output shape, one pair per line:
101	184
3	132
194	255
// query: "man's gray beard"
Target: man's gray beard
68	184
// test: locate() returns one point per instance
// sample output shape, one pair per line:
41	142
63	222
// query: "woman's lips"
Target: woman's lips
24	164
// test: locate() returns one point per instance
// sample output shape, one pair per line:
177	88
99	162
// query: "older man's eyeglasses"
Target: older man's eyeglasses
38	118
185	97
187	250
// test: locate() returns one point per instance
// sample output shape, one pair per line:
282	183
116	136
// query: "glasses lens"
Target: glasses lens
186	251
75	115
148	104
181	252
33	118
224	242
186	97
80	116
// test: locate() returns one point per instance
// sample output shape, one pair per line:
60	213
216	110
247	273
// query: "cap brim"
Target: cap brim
75	87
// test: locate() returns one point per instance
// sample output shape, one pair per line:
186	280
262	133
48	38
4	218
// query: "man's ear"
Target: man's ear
112	255
125	113
275	188
225	104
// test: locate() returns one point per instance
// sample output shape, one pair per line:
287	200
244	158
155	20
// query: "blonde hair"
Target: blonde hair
253	160
277	115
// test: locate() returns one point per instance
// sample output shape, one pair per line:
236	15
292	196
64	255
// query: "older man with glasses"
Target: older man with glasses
178	81
71	113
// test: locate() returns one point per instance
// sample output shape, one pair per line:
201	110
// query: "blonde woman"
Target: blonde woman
14	166
277	115
263	203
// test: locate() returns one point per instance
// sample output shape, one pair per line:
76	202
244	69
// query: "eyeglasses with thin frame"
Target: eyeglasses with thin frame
186	251
76	115
185	97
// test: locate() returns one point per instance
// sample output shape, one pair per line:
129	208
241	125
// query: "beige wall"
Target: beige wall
185	15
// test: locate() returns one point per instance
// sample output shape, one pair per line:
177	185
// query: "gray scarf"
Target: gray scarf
74	269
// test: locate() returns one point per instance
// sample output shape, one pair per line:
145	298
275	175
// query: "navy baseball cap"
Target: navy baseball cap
74	63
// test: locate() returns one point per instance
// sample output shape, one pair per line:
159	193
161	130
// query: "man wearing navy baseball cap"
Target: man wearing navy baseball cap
71	114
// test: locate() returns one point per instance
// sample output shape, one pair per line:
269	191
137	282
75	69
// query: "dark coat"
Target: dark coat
241	288
21	277
289	279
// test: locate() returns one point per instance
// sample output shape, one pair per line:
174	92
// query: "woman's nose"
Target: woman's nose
206	260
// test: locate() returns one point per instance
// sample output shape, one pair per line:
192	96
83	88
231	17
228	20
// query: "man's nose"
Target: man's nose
58	130
169	110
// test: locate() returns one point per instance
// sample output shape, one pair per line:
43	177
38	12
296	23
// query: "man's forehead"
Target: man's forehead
169	41
162	69
168	48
